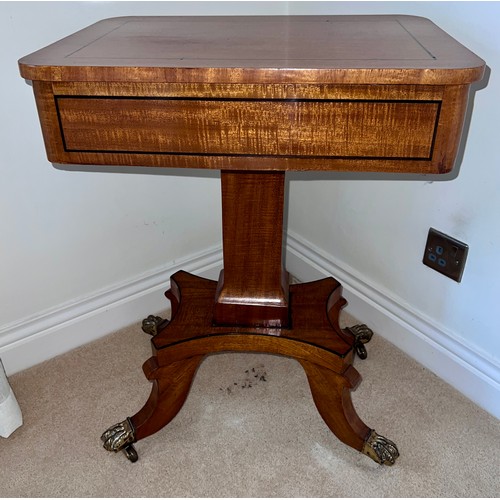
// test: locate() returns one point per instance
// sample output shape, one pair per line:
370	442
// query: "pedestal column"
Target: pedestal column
253	286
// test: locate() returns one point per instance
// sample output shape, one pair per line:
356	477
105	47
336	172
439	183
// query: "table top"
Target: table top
258	49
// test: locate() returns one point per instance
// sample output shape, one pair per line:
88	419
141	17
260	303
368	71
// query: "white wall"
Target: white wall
379	228
70	238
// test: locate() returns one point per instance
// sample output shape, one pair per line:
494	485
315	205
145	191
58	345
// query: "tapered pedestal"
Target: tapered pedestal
253	287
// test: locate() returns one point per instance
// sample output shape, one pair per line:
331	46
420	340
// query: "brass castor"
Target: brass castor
151	323
380	449
362	335
120	437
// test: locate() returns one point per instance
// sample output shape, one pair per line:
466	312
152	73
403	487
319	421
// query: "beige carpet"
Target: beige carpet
239	435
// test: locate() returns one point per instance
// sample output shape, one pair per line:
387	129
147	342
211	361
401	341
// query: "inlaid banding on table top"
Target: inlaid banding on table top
279	41
259	49
402	129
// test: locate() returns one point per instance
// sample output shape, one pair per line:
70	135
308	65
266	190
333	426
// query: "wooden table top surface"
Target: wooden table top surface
258	49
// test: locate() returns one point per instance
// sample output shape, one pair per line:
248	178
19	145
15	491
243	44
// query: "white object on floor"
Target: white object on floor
10	413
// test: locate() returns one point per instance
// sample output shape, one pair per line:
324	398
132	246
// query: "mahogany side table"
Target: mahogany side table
255	97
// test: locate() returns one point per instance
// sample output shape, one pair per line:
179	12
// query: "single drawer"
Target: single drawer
286	128
408	129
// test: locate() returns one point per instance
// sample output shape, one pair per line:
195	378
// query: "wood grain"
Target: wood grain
346	93
253	287
332	397
171	385
321	128
313	332
408	129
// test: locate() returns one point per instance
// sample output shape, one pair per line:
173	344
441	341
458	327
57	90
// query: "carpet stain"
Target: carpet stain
252	377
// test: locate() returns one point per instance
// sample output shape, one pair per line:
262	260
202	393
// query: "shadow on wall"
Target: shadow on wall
174	172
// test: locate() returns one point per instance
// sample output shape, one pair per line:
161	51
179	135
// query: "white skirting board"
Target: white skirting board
431	345
47	335
37	339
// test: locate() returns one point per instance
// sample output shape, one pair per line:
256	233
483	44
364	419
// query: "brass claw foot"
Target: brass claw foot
120	437
380	449
151	323
362	334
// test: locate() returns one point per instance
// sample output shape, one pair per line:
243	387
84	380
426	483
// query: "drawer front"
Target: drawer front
286	128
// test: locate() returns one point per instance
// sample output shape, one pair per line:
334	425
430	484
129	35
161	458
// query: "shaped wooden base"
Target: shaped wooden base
313	337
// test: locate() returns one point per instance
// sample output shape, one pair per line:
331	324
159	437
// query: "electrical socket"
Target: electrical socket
445	254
